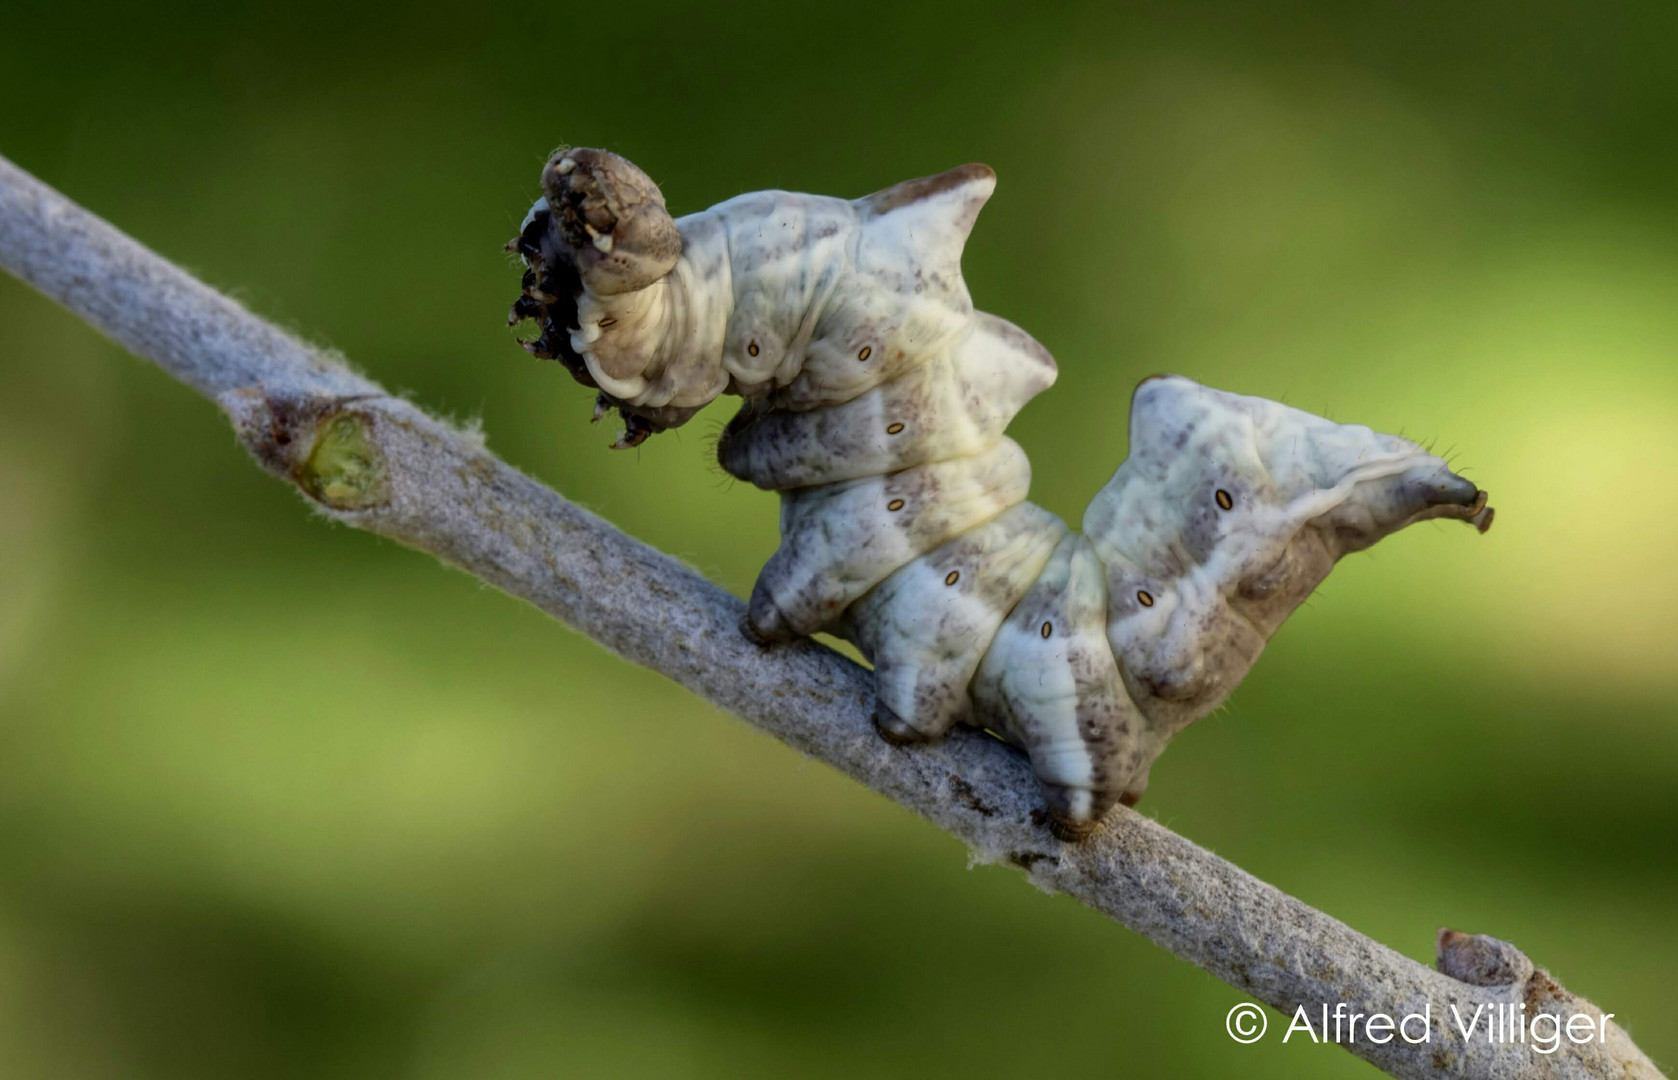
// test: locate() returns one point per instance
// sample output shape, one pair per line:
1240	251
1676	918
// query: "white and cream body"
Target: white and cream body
876	400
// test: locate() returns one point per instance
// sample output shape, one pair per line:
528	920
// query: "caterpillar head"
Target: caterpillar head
609	217
1228	513
601	229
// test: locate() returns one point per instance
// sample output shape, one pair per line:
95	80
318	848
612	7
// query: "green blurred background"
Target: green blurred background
281	799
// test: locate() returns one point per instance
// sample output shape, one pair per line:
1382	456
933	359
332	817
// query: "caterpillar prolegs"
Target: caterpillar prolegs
876	399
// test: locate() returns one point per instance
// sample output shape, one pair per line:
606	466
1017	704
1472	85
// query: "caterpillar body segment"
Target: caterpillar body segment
1051	685
955	403
840	540
876	401
928	625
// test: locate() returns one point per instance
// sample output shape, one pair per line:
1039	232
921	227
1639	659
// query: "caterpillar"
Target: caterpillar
876	398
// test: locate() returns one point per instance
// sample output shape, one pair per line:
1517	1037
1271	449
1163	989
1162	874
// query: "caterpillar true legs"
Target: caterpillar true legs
876	400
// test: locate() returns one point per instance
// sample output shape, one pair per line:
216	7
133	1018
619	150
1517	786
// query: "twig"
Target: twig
377	462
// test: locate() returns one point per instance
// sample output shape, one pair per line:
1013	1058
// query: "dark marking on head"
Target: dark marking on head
525	307
635	431
528	243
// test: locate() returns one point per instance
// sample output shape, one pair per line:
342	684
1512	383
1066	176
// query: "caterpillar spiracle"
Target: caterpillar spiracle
875	403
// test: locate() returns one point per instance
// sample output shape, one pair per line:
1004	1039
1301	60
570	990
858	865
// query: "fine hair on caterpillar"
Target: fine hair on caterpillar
876	399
